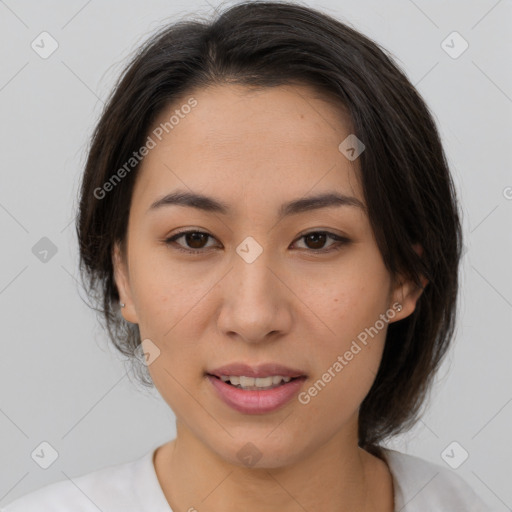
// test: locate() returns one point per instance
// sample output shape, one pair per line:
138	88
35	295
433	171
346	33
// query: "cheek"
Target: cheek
350	306
353	298
345	368
170	312
163	295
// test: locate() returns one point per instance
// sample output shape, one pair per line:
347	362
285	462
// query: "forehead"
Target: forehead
286	113
243	141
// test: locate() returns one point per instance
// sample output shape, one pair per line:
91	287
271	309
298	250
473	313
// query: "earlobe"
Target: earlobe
407	294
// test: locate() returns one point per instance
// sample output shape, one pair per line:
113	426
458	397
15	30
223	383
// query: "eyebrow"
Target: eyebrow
210	204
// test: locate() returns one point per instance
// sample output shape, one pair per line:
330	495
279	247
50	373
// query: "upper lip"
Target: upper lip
262	370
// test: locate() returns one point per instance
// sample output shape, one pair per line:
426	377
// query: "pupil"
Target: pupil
317	235
195	237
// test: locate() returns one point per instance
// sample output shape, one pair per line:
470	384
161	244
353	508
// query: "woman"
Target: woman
268	215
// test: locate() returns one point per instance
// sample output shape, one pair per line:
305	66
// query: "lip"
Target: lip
263	370
256	402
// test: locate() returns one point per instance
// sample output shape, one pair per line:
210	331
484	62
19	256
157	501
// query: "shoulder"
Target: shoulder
421	485
109	488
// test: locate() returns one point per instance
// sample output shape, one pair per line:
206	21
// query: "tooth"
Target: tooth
252	382
246	381
263	381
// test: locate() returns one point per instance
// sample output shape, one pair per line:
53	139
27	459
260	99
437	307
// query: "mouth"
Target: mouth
257	389
251	395
256	378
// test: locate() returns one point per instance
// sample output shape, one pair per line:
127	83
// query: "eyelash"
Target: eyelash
342	241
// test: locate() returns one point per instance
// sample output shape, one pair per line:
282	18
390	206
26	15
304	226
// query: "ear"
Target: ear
406	293
121	278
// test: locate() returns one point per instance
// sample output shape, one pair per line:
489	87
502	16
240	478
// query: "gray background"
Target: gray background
61	382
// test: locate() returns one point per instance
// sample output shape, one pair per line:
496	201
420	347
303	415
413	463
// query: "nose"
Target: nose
256	302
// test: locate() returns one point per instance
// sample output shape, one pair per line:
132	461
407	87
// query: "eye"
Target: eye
194	238
318	238
195	241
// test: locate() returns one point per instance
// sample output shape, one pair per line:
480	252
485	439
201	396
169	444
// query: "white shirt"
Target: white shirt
419	486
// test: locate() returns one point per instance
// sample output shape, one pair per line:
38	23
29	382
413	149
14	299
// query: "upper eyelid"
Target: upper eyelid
303	233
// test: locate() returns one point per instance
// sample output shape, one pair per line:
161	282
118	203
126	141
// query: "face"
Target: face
256	283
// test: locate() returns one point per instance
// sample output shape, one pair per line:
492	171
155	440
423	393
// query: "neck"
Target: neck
338	476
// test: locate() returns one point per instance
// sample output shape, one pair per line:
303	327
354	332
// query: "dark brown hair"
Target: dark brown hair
405	177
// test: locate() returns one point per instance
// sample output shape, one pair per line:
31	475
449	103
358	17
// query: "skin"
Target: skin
255	150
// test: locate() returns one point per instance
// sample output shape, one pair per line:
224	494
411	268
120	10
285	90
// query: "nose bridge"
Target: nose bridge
253	302
252	275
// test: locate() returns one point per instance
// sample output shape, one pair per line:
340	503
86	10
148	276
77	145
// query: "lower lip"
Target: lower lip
256	402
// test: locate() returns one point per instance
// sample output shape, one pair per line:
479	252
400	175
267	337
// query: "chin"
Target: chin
260	452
